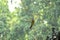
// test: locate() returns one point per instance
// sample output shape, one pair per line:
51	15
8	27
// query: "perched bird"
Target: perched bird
32	23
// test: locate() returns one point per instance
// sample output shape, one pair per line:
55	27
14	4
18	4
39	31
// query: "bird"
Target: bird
32	23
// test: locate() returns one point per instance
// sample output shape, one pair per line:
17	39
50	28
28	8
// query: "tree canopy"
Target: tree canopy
15	25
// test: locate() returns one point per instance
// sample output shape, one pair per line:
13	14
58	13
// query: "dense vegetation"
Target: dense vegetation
15	25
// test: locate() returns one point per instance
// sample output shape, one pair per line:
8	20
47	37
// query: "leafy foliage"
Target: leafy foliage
15	25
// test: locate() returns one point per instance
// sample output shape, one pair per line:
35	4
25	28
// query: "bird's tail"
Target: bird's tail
30	26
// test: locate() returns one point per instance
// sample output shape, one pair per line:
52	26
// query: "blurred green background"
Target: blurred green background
15	25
